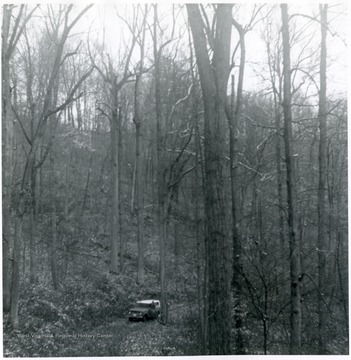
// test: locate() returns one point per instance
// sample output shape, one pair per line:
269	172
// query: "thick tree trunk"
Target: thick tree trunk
200	245
16	268
53	245
322	190
138	159
233	115
33	230
213	79
7	146
295	264
198	194
17	247
236	279
30	160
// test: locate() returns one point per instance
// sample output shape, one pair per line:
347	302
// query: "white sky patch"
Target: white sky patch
105	26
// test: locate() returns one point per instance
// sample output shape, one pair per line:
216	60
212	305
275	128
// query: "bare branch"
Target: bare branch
71	97
21	125
15	36
180	177
102	112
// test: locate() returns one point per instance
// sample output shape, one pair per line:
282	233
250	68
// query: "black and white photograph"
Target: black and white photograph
174	179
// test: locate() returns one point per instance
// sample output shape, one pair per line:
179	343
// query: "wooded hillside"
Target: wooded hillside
195	154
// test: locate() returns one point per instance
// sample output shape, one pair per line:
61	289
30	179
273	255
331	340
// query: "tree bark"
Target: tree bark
140	206
200	244
7	138
53	245
120	210
33	229
115	196
322	189
161	190
138	159
233	115
213	77
11	33
295	264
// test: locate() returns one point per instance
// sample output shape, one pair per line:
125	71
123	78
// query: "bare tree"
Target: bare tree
322	187
138	117
295	262
161	183
47	111
12	30
214	76
116	83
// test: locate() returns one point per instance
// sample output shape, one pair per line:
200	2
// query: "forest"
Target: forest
193	154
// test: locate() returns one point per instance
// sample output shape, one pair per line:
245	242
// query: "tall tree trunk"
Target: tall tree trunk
295	264
43	117
33	229
138	159
200	244
120	229
214	77
237	266
132	192
279	177
17	246
161	186
16	265
7	146
233	115
277	96
140	205
322	189
53	245
115	196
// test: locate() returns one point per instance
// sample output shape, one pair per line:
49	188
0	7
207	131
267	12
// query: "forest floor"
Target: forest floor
116	338
87	316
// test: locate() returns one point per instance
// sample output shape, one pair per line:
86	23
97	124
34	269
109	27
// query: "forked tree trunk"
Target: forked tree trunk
214	77
30	160
233	115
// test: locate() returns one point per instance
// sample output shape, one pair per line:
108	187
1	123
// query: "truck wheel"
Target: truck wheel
145	318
